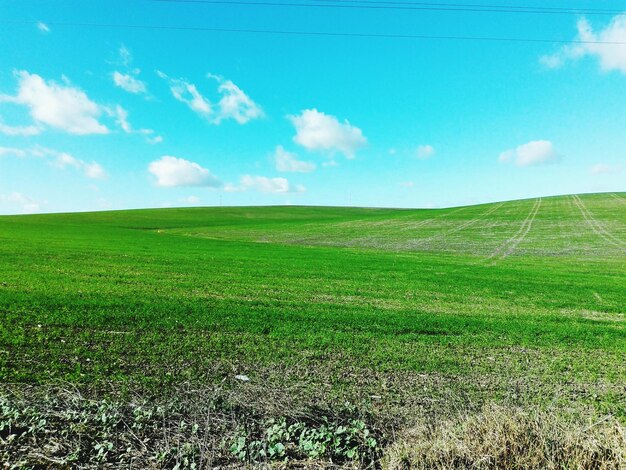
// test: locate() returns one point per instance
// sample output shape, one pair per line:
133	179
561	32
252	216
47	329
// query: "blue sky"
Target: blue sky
95	117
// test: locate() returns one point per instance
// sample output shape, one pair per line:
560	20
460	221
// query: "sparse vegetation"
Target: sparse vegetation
418	327
195	429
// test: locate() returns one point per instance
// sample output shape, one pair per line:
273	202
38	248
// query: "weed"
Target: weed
300	440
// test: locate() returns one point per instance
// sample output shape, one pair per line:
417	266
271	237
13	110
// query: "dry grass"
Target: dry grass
505	438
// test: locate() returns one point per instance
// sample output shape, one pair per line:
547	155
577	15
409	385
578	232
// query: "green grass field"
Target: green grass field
395	315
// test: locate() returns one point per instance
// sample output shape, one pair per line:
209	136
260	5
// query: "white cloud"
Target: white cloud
24	131
610	56
191	200
425	151
407	184
265	185
233	104
26	204
43	27
128	82
187	93
58	159
122	119
126	56
104	203
556	60
535	152
12	151
288	162
65	159
62	160
62	107
604	169
94	170
121	116
318	131
173	171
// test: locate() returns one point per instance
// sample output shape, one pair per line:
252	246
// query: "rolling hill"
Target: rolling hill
389	316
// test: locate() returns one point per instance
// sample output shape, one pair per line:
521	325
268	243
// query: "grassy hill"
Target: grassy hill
387	317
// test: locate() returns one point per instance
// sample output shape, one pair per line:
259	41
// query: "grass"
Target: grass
509	438
402	314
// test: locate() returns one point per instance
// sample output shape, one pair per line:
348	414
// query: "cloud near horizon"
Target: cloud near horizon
425	151
604	169
64	160
58	159
535	152
26	204
12	151
264	184
288	162
173	171
91	170
316	130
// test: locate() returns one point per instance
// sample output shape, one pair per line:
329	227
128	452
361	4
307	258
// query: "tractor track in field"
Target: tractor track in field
471	222
463	226
620	199
405	222
511	243
433	219
597	226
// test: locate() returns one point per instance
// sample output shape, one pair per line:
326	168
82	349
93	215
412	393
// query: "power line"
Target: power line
416	6
475	5
322	33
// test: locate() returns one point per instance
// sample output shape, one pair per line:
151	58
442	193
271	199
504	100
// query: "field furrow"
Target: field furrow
596	225
509	245
620	199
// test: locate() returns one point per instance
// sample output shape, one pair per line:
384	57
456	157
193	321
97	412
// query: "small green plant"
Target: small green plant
280	440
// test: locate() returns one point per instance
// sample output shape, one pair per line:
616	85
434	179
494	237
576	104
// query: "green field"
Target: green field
388	315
